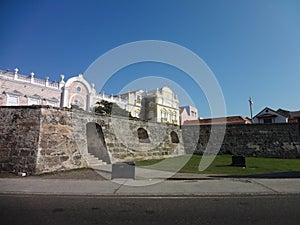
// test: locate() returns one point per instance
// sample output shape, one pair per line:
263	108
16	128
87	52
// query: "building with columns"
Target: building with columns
160	105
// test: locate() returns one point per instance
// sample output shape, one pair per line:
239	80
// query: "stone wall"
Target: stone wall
121	137
38	139
258	140
19	138
57	149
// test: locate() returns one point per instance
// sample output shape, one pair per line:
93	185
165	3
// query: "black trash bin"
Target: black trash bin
123	170
238	160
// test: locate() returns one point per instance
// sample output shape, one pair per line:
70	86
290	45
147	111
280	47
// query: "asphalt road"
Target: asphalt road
64	210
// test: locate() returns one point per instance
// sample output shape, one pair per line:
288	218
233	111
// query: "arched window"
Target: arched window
163	115
174	116
174	137
143	136
170	116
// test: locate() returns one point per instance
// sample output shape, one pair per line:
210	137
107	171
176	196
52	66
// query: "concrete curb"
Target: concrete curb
123	187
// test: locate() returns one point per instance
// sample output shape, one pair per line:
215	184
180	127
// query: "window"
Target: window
163	114
51	103
138	99
170	116
143	136
174	137
33	101
193	114
174	117
78	89
12	100
268	120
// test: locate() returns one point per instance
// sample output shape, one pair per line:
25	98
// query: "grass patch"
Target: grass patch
221	165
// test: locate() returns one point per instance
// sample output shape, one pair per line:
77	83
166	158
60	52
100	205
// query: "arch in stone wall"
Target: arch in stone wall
143	135
96	143
174	137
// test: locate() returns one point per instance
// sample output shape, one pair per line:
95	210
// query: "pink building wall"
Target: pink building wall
188	113
26	88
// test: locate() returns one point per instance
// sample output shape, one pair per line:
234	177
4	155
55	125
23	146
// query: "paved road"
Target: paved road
64	210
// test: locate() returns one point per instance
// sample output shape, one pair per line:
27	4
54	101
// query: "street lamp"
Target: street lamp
250	104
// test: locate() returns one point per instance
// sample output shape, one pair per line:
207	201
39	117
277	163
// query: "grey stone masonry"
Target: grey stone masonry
258	140
19	138
39	139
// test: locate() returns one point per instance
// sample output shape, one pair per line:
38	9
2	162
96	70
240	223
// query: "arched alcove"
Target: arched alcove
96	142
143	135
174	137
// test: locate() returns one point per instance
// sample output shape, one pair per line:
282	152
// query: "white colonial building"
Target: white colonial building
160	105
268	115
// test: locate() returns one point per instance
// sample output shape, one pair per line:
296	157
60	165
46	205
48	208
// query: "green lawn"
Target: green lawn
221	165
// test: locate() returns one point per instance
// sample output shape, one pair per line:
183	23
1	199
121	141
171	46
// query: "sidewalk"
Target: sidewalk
151	187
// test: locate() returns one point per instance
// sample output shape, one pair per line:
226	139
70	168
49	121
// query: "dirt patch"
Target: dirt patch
82	174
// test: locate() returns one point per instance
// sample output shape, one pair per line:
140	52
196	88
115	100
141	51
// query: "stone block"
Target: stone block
239	161
123	170
64	158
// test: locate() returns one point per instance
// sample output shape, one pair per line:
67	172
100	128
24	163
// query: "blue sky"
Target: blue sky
252	47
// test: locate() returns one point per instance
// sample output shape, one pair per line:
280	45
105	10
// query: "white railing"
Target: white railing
53	84
115	99
39	81
22	77
110	98
29	79
7	74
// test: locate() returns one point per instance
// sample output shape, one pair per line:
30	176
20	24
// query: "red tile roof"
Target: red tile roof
220	120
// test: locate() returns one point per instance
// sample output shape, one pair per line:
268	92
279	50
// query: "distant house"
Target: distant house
268	115
220	120
187	113
293	116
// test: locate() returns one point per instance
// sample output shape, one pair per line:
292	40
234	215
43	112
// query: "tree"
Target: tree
103	107
110	108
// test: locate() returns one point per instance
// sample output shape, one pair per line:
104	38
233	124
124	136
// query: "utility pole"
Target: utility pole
250	104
